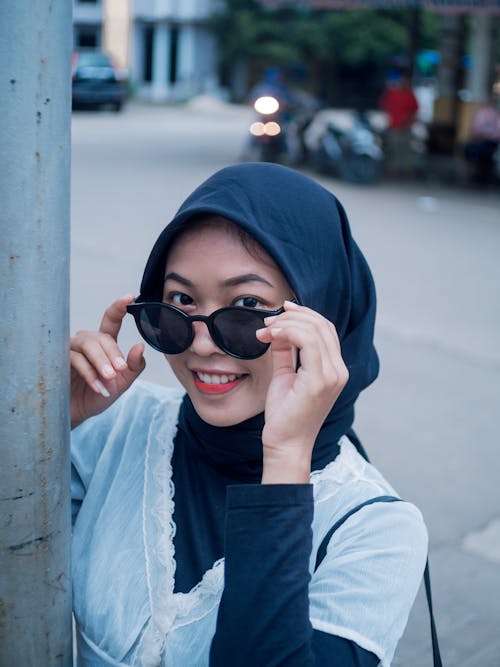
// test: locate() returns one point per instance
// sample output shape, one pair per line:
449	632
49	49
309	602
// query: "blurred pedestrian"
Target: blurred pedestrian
273	84
401	106
484	137
237	522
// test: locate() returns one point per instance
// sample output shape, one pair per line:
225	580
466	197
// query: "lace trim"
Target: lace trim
201	599
349	465
159	531
168	610
347	469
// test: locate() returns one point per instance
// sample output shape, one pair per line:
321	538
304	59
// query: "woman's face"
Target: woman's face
209	268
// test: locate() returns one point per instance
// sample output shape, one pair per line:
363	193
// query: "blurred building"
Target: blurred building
166	45
87	24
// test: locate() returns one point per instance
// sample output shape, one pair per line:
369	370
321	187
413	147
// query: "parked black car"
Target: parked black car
96	82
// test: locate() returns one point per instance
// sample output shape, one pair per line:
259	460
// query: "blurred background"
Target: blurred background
394	109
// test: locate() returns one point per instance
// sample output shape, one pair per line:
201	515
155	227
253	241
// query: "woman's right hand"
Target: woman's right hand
99	372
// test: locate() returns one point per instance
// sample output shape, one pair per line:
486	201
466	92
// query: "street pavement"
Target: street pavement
430	422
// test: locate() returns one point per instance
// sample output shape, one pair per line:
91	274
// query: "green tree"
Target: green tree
331	44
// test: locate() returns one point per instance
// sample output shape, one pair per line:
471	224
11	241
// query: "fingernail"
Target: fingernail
120	362
101	388
270	319
276	330
261	330
108	371
291	304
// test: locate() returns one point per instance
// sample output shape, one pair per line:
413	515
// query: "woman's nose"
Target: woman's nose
203	344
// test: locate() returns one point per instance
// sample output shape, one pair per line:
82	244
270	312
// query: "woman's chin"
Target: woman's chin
221	413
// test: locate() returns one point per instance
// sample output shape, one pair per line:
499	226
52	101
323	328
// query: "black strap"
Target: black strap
436	655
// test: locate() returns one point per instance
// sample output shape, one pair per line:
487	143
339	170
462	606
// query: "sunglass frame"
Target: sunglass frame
136	307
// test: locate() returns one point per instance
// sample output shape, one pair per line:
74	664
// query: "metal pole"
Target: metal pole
35	590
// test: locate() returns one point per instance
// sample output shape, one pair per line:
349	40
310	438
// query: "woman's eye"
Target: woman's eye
180	299
248	302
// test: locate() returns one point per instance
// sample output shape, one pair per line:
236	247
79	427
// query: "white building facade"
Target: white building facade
174	52
87	24
171	48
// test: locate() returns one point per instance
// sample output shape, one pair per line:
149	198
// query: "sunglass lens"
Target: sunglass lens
236	332
165	329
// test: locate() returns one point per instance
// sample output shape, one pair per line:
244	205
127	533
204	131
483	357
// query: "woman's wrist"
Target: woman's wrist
286	467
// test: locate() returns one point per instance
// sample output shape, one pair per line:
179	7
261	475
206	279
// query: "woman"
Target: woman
201	536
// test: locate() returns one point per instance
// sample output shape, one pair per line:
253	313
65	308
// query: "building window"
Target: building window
87	38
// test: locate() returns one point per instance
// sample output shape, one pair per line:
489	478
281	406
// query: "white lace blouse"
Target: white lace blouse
125	608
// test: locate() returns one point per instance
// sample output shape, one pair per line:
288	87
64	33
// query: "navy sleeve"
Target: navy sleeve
333	651
263	617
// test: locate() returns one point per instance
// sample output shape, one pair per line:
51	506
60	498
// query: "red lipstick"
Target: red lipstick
209	388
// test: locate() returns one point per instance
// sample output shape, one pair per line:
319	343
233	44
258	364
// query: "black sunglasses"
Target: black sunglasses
170	330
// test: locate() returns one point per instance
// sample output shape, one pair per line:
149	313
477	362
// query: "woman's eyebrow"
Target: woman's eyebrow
230	282
246	278
178	278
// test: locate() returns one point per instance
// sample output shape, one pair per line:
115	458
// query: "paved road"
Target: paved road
430	422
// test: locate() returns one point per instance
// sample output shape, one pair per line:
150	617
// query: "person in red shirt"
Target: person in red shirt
400	104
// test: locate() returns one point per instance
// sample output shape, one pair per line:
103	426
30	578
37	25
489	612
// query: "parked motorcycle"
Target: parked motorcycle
347	144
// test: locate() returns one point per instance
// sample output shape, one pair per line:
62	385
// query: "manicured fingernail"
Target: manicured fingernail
120	362
108	371
291	305
101	388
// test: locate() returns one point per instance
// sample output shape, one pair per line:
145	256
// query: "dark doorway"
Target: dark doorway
148	54
174	47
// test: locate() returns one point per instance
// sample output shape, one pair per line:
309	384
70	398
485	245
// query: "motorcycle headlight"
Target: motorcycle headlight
266	105
257	129
272	129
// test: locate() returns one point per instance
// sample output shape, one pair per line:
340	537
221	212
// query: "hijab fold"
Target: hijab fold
306	231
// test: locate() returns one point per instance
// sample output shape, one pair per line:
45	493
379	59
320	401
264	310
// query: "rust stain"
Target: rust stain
59	584
4	609
45	456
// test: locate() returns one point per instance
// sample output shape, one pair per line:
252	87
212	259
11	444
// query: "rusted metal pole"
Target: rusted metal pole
35	84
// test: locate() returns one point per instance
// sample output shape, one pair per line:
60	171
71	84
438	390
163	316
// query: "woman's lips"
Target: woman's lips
216	383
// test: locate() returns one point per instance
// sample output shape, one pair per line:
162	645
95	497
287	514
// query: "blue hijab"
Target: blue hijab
305	230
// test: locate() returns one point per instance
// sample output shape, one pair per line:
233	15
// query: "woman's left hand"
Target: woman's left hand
298	401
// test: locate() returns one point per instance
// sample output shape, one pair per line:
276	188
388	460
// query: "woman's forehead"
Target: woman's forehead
209	233
216	256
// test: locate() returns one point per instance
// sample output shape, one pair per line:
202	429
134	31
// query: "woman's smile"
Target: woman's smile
215	382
